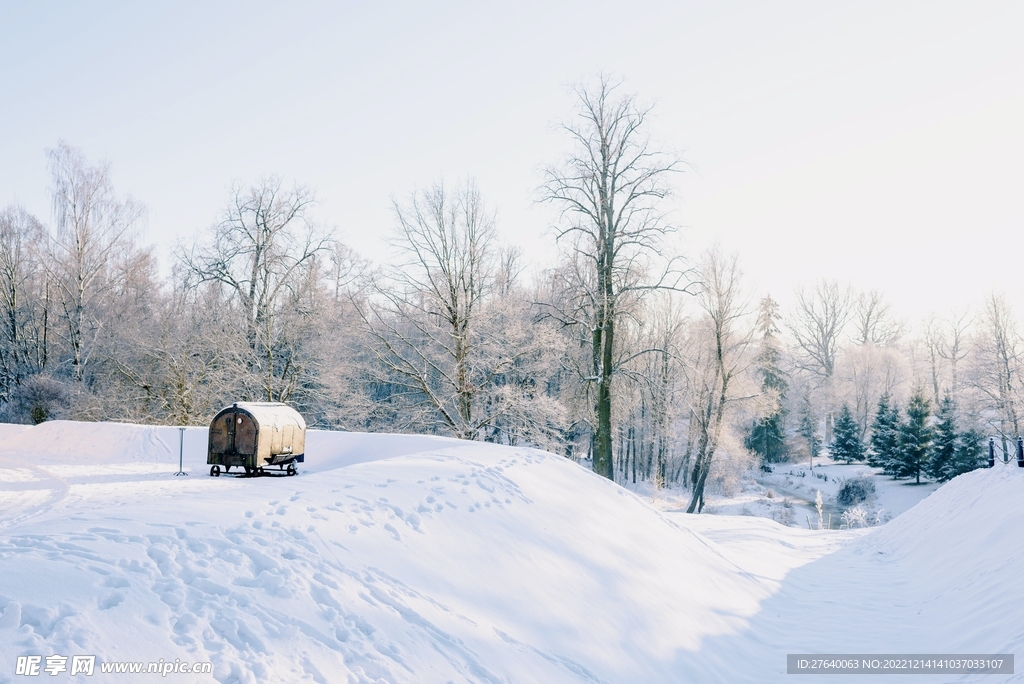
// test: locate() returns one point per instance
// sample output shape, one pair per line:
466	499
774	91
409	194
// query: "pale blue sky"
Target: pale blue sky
875	142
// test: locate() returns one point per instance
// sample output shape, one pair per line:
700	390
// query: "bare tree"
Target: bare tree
821	316
866	373
264	255
609	190
818	324
999	367
24	302
874	320
954	347
94	230
719	356
454	354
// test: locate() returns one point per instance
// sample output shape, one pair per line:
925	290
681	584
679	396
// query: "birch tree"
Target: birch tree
94	230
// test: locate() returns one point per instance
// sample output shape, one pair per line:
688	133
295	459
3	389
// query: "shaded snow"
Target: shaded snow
419	559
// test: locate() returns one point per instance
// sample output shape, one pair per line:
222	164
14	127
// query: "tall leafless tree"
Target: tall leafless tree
453	352
24	303
874	320
264	255
94	230
720	356
820	319
1000	351
609	189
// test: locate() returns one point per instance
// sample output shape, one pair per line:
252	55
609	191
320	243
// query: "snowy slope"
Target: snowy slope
419	559
390	557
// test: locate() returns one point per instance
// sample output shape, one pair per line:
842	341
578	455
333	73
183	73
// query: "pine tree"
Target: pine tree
885	435
953	452
969	455
946	440
846	443
915	439
767	436
808	428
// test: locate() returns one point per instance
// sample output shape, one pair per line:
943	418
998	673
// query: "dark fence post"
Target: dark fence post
1020	452
991	452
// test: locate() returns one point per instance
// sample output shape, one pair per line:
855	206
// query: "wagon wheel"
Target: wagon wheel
215	471
291	469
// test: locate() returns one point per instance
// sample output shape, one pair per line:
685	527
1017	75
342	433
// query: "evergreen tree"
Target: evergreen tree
953	452
885	435
767	436
846	443
945	441
915	439
969	455
808	428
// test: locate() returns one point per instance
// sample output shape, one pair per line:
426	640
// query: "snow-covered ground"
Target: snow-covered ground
419	559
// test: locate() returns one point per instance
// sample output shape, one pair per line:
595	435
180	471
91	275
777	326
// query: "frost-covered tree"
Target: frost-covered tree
455	347
767	435
808	428
718	358
609	190
91	248
24	301
263	257
846	444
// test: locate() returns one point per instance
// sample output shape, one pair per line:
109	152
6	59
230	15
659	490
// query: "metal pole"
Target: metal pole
181	451
1020	452
991	452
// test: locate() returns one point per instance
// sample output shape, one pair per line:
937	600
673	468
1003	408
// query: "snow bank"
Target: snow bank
389	558
941	578
420	559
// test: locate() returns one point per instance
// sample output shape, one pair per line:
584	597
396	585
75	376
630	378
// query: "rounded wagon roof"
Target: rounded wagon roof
267	413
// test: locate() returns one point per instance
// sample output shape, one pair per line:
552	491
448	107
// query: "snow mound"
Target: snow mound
389	558
71	442
403	558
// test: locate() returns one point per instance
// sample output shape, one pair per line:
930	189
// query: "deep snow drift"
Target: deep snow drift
420	559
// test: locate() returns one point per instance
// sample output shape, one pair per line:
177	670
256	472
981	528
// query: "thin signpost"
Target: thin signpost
181	451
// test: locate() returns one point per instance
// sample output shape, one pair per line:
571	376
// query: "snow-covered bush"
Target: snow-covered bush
857	516
732	466
855	491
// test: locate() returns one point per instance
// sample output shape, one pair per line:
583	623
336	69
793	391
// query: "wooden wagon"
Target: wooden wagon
253	436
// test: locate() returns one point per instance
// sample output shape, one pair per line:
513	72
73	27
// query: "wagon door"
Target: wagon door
222	434
246	433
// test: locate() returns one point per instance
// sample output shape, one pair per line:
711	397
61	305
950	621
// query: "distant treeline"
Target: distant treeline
652	364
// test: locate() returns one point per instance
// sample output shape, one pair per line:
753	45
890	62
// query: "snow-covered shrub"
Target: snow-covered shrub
732	464
857	516
783	515
855	491
38	399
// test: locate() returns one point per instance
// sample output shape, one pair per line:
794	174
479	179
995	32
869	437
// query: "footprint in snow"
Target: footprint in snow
111	601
